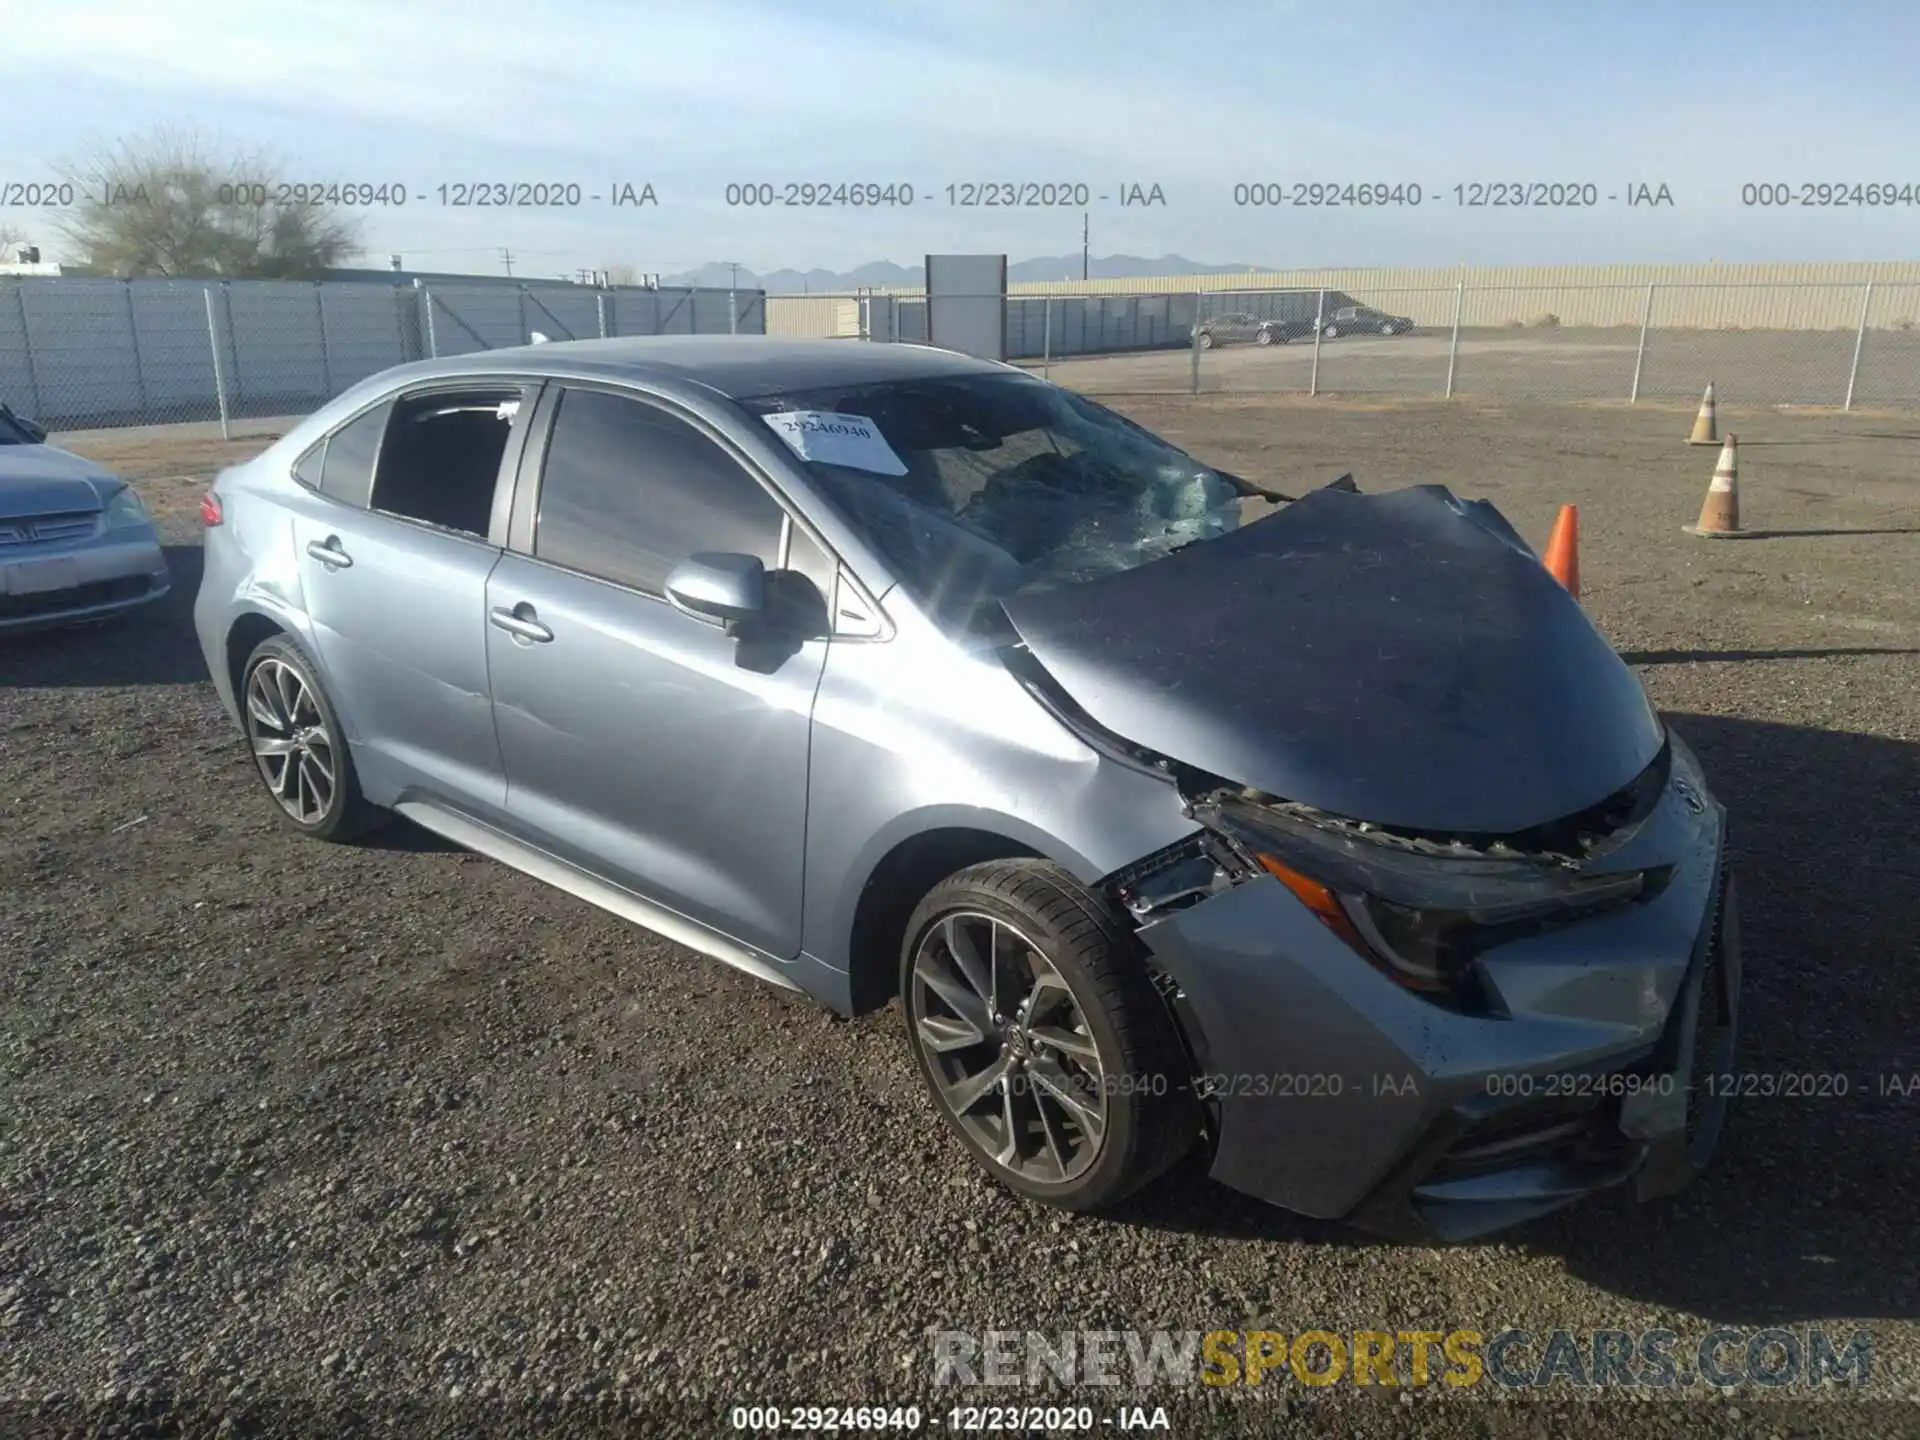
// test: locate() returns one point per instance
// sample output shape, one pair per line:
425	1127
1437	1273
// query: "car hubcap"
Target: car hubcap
1007	1041
291	743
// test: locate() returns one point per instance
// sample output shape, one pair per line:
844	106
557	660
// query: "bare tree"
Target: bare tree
163	204
11	239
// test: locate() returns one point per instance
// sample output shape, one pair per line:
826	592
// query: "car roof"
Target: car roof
738	366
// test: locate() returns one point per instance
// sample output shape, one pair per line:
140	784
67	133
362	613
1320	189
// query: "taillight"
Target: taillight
210	509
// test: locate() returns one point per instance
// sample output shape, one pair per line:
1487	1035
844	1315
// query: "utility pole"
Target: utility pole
506	258
1084	218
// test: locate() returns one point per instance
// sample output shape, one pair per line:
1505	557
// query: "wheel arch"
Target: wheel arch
896	884
244	635
257	622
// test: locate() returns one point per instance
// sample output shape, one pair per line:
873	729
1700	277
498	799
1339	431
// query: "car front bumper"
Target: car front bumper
1332	1091
43	587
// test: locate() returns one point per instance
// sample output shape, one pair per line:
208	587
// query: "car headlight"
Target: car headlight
1419	915
124	510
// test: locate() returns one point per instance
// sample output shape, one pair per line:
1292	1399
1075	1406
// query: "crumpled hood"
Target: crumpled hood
1399	658
46	480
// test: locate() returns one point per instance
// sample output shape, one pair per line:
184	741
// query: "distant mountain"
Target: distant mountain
885	272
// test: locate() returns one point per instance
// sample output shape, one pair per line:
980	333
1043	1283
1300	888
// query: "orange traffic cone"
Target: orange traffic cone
1720	515
1563	549
1704	432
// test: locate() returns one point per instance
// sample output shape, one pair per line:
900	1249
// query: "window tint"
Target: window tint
440	460
628	492
307	468
347	474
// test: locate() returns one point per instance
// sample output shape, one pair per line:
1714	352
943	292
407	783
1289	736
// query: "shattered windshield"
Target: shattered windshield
976	487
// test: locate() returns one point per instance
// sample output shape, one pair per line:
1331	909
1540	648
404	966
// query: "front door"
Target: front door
640	742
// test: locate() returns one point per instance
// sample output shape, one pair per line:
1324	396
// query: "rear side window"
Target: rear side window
440	458
307	469
347	472
629	491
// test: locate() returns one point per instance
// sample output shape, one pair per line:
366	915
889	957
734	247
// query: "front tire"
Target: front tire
298	747
1206	340
1389	328
1265	337
1041	1041
1332	332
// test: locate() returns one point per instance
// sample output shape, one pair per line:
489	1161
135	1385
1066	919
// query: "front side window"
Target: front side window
981	486
628	491
440	457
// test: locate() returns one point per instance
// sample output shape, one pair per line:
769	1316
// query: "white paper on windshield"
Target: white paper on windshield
834	438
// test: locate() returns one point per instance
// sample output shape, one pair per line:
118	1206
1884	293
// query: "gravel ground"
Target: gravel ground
298	1138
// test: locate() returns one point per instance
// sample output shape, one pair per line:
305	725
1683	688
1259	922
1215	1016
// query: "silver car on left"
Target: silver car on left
76	543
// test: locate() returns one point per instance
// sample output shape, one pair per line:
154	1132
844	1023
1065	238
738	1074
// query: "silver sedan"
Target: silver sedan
76	544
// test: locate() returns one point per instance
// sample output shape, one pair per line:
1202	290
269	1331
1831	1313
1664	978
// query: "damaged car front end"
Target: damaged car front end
1435	1042
1454	943
1435	906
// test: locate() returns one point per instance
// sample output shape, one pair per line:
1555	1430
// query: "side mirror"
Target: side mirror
727	588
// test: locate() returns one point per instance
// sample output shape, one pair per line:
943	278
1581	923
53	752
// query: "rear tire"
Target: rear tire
1387	329
1265	337
299	750
1075	1092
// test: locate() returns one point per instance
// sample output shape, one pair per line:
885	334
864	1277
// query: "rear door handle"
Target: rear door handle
521	622
329	553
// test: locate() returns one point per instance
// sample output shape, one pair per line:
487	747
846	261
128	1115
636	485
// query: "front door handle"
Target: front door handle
329	553
521	622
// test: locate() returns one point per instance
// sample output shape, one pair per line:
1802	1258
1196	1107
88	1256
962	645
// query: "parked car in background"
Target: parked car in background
878	670
76	544
1363	320
1239	327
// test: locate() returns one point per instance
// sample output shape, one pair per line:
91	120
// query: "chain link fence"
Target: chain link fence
77	352
1841	345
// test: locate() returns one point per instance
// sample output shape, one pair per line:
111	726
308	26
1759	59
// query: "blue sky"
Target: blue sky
1192	97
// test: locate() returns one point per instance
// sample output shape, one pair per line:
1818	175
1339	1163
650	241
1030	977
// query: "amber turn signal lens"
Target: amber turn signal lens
1317	898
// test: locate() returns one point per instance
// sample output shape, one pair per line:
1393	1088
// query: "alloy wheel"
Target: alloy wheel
291	742
1008	1044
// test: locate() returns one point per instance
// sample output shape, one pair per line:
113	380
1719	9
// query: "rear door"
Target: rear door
394	555
642	743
